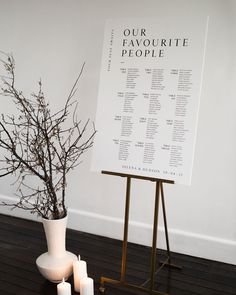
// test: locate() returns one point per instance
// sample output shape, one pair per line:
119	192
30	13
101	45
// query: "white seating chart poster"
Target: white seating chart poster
149	95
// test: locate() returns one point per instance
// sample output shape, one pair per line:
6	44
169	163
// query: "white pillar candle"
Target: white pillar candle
86	286
64	288
79	272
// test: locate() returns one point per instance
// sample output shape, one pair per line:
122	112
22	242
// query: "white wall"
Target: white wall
51	39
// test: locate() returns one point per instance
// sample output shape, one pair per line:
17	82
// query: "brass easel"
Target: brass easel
154	270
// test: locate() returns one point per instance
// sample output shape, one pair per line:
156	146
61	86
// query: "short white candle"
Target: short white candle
64	288
79	272
86	286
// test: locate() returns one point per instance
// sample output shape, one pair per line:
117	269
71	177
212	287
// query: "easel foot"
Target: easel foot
170	265
128	286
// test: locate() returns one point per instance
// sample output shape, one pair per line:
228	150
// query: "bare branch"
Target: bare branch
37	145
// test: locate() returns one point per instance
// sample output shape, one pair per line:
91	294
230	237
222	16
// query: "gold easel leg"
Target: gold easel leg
126	224
154	239
168	261
121	282
165	221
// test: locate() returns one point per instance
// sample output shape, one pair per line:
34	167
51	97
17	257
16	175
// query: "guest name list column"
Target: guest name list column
149	98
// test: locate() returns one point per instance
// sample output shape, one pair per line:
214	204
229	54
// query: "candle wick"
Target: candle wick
63	280
79	257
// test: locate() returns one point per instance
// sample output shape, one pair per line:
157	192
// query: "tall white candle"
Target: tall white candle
79	272
86	286
64	288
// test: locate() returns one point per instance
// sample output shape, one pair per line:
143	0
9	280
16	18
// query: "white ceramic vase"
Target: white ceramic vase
57	263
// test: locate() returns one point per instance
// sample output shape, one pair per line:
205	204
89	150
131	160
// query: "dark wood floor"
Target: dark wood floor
22	241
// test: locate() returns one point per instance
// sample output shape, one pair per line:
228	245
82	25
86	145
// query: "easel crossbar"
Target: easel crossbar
137	176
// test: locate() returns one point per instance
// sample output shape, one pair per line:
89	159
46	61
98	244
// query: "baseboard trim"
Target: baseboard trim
184	242
141	233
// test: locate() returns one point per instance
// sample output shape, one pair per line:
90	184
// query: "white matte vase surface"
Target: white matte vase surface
57	263
55	231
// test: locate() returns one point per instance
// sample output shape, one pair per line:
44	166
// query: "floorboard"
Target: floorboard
22	241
